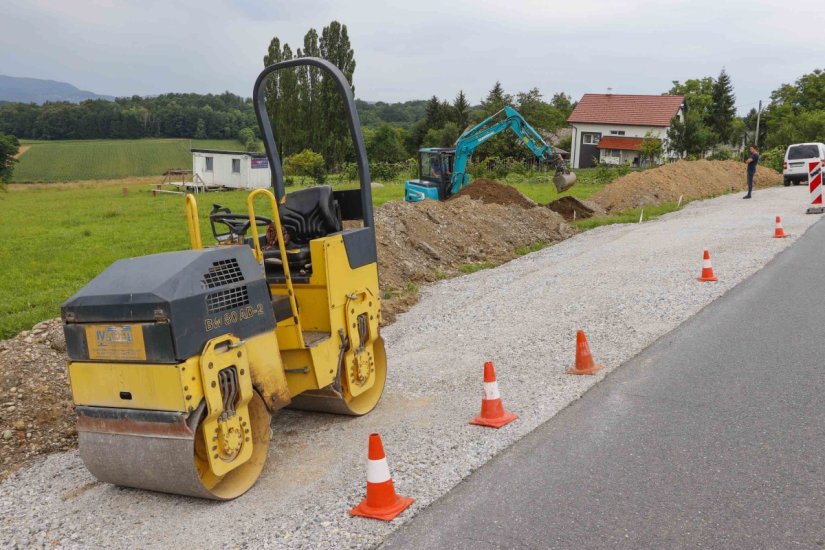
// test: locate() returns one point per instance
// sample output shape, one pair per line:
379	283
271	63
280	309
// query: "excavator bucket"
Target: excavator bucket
563	182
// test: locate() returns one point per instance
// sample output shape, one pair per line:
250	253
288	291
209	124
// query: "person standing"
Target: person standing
752	161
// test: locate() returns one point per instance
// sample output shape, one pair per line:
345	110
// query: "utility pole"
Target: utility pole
758	117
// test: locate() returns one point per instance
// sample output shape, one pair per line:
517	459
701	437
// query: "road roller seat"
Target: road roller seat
306	214
309	214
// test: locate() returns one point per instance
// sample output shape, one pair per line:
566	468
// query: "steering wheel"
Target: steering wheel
238	224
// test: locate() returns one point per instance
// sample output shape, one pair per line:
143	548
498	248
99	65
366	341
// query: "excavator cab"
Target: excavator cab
435	171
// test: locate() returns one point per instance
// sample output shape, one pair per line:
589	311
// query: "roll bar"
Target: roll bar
259	100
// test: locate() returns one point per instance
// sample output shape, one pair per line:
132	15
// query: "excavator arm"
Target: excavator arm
469	141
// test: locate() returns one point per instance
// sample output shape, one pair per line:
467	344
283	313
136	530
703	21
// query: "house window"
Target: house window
208	163
236	166
616	132
614	153
590	139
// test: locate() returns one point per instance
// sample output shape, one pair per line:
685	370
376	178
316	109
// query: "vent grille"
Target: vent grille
227	299
223	272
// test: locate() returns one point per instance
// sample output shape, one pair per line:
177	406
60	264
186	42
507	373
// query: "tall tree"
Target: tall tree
290	128
309	91
496	100
723	109
461	110
693	136
282	102
386	145
8	153
436	117
563	103
274	55
335	47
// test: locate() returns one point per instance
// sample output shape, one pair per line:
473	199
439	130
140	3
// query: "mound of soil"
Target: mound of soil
572	208
36	410
429	240
493	192
691	179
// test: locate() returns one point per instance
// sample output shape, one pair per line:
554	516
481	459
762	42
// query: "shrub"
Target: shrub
773	158
605	173
385	171
720	153
307	163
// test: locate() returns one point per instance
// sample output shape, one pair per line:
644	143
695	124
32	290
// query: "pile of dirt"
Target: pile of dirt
36	411
691	179
426	241
493	192
572	208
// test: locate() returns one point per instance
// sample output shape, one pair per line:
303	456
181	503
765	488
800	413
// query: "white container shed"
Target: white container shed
233	169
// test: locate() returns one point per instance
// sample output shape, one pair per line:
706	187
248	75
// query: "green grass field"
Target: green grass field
50	161
58	237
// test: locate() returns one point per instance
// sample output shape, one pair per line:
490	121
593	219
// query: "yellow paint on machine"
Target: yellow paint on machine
115	342
143	386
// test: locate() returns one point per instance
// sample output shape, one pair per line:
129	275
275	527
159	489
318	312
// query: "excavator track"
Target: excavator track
165	451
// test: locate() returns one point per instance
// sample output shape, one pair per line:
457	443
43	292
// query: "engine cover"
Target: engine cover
163	308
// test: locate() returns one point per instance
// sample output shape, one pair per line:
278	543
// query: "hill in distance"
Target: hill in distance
36	90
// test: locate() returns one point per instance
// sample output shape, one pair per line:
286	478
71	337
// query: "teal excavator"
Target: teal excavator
442	172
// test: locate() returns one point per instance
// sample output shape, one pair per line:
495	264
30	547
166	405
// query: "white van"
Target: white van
797	157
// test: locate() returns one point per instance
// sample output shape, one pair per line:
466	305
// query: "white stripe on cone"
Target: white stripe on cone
491	391
706	264
378	471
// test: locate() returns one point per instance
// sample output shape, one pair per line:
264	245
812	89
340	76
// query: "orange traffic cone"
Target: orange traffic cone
779	232
381	501
707	269
492	414
584	361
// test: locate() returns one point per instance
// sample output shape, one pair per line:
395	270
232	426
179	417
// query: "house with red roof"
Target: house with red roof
610	128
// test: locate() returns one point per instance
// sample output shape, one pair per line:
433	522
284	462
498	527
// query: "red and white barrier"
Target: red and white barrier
815	187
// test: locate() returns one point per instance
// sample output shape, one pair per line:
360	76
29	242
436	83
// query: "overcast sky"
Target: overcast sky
412	49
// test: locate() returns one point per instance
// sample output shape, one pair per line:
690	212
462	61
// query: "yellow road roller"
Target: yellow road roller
177	360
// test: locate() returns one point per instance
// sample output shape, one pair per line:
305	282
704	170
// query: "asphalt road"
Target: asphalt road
713	437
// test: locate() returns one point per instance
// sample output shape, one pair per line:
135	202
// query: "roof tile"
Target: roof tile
633	110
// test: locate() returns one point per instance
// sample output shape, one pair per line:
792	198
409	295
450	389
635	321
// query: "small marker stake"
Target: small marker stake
642	215
679	205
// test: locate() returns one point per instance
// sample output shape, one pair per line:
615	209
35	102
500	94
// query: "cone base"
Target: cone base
782	236
587	372
497	422
385	513
709	279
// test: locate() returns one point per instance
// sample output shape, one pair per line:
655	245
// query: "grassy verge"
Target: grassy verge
628	216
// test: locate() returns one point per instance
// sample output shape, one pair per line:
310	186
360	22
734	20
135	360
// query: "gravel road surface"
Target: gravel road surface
626	285
710	438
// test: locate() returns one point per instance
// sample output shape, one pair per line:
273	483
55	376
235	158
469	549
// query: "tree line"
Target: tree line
199	116
794	114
